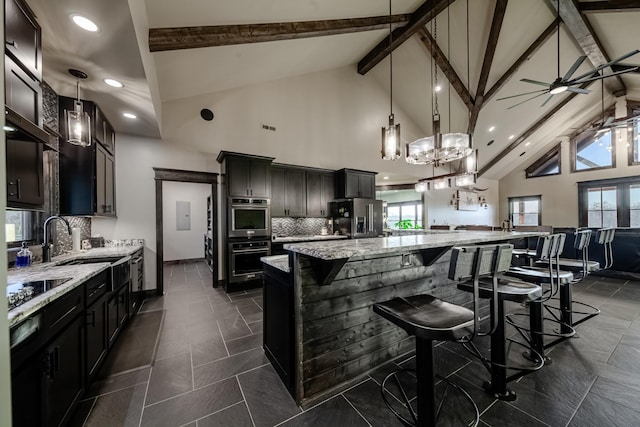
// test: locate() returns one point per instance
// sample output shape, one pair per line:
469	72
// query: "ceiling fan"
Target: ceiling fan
610	122
566	83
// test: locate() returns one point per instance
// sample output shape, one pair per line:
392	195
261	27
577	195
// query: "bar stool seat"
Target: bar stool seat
508	290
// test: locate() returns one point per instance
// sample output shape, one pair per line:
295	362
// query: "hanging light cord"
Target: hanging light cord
468	62
558	31
449	58
435	66
390	63
78	89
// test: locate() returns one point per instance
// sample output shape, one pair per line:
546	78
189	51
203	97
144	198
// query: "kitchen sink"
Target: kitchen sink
79	261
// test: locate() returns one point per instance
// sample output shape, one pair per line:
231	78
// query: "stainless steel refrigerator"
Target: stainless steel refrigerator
357	218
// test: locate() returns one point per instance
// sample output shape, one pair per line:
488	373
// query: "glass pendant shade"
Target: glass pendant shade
465	180
422	151
391	141
441	183
78	126
454	146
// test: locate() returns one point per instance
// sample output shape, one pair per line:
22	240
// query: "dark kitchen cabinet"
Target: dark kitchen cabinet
26	393
103	132
22	93
117	313
87	183
63	373
25	187
23	37
320	191
246	176
352	183
279	323
96	326
288	192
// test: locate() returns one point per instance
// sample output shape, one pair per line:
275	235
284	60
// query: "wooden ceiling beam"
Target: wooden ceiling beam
609	6
423	14
447	69
163	39
530	131
548	32
578	26
492	42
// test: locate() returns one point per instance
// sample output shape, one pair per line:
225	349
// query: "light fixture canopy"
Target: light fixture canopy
77	121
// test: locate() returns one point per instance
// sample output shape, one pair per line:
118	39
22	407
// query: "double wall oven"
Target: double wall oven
249	237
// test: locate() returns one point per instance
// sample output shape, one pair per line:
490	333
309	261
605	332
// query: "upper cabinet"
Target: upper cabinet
102	130
320	191
87	174
25	188
246	176
289	195
352	183
22	37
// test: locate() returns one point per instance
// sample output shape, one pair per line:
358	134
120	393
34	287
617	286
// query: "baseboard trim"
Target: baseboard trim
184	261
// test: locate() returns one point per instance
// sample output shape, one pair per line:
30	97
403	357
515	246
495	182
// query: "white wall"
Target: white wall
560	192
184	244
135	191
441	212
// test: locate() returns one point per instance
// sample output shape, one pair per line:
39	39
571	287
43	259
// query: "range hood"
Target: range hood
19	128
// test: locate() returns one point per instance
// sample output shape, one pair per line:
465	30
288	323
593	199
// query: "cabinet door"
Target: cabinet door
314	195
279	324
123	305
328	192
295	193
22	92
237	177
352	185
96	336
109	186
98	126
278	207
101	184
109	137
260	181
22	37
24	174
112	319
367	185
26	393
64	373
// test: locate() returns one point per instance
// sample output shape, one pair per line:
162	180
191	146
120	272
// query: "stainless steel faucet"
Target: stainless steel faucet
46	245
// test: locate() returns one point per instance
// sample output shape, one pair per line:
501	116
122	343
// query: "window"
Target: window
18	226
635	145
549	164
525	210
407	215
610	202
602	207
593	150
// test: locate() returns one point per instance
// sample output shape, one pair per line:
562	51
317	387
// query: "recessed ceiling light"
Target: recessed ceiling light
511	136
385	177
438	88
9	128
527	144
85	23
113	83
492	128
130	116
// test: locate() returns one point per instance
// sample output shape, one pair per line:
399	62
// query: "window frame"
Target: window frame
27	224
623	196
574	152
415	203
523	199
549	155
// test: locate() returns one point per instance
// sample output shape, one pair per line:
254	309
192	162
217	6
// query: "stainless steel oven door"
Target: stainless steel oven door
249	221
245	263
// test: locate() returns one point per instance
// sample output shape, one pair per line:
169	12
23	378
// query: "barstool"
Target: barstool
548	249
429	318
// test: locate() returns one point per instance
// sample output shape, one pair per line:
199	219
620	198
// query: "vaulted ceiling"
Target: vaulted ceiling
153	47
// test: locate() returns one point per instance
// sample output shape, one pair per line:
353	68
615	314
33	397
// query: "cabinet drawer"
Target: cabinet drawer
56	315
95	288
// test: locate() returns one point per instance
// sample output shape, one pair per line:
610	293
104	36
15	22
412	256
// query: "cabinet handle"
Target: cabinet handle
11	43
18	188
93	319
251	191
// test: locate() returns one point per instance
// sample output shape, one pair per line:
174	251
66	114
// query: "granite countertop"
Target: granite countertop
51	270
289	239
281	262
393	244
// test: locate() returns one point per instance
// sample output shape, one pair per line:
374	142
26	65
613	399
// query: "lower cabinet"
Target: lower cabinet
96	335
117	312
279	323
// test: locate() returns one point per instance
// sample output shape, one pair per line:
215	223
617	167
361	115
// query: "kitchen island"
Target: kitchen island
334	338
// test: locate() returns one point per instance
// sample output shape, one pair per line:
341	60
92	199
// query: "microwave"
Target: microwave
248	217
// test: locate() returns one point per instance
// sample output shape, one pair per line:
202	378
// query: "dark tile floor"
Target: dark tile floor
210	370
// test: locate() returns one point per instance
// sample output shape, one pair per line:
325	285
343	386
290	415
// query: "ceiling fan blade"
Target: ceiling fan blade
574	67
578	90
600	76
608	121
547	100
521	94
528	99
536	82
608	64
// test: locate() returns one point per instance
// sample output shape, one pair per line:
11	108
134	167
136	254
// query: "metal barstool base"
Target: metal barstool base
509	396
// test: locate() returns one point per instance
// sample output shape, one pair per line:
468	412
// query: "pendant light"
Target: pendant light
78	122
391	133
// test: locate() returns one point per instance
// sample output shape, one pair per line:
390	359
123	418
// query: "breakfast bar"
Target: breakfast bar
327	290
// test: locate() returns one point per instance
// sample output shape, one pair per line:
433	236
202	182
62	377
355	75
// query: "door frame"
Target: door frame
177	175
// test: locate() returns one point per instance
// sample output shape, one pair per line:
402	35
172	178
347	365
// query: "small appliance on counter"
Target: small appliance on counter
357	218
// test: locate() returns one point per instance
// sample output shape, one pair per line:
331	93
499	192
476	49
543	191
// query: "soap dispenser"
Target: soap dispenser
23	259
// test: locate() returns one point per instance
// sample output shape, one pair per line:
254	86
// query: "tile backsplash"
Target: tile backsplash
62	241
283	227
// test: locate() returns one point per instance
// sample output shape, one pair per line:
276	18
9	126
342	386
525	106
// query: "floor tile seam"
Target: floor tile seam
244	398
392	395
215	412
244	336
355	409
86	418
526	413
636	410
144	401
193	379
222	336
575	411
184	393
114	391
614	350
